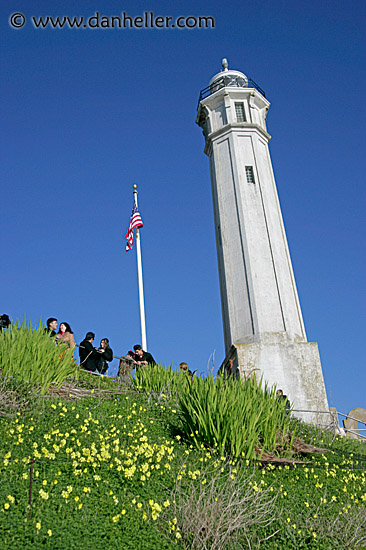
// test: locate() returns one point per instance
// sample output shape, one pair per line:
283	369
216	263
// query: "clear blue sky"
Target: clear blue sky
86	113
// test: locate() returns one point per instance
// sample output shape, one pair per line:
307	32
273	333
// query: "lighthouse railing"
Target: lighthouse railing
224	81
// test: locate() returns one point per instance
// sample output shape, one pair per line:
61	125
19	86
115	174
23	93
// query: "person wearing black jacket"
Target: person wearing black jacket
281	397
89	356
107	355
142	357
4	321
51	326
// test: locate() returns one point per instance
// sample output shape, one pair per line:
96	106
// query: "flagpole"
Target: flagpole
141	284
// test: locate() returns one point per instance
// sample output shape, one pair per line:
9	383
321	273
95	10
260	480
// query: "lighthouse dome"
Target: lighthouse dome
229	77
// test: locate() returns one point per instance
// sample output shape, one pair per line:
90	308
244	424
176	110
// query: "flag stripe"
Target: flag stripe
135	222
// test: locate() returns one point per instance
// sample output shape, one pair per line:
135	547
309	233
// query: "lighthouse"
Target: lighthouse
264	331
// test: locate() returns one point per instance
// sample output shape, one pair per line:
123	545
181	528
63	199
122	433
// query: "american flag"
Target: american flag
136	221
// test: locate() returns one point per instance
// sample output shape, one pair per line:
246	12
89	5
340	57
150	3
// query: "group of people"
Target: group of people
91	358
95	359
64	335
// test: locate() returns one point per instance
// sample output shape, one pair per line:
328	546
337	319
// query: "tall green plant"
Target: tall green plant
29	354
234	416
159	379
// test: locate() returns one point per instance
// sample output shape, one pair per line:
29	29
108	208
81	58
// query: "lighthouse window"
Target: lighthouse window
250	174
240	113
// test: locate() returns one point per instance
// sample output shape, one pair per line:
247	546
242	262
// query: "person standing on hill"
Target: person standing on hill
107	355
65	335
51	326
185	369
5	321
89	356
281	397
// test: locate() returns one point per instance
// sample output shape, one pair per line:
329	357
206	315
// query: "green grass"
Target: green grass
163	464
103	471
161	380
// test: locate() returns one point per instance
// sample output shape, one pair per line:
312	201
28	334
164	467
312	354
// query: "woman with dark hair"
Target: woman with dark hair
65	335
107	355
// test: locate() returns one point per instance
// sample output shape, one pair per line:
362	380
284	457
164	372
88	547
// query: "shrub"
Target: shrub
30	355
233	416
219	506
14	396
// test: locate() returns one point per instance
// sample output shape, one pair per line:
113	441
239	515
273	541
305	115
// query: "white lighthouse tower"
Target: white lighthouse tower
263	327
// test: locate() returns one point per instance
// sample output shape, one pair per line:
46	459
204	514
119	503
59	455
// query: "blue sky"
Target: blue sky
87	113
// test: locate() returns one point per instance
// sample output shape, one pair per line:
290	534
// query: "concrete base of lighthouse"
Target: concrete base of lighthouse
293	366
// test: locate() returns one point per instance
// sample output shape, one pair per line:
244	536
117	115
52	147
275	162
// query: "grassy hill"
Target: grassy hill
114	470
164	464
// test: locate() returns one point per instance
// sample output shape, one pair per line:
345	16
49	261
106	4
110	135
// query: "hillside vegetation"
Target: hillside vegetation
162	463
